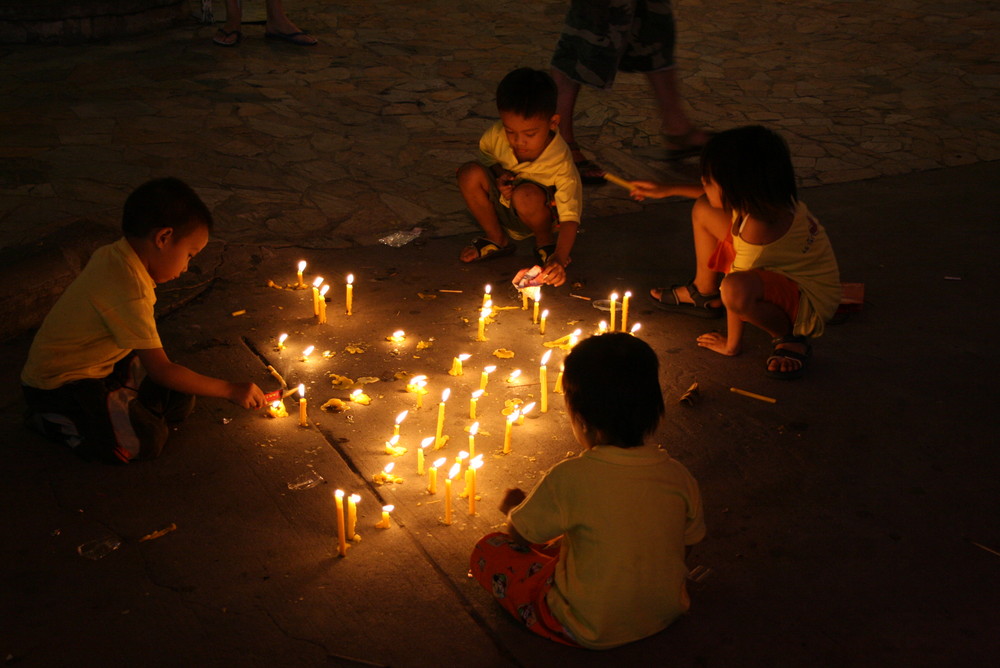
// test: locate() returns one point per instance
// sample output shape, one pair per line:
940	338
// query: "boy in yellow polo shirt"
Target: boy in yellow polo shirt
97	377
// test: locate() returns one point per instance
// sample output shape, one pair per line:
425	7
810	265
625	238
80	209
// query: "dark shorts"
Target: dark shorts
601	37
507	215
113	419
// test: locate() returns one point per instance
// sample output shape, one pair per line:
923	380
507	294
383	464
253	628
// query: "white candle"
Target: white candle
543	375
350	293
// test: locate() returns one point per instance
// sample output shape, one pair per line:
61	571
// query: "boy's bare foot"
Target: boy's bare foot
719	343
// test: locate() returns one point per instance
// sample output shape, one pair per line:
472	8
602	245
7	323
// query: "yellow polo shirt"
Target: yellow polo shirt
101	317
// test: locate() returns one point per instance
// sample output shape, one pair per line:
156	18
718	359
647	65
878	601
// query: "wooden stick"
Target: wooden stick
759	397
618	181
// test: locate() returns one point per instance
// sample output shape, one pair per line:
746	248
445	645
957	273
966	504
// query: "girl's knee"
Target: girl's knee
740	290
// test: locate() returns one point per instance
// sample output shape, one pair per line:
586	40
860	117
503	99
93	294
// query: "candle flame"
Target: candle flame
627	294
394	440
401	417
478	393
527	409
308	351
476	462
445	395
462	455
488	288
388	467
538	296
438	463
464	356
545	314
426	442
323	290
388	509
276	404
485	312
282	338
513	375
302	390
318	282
490	369
545	357
356	392
453	471
474	429
350	278
602	327
513	417
614	296
339	493
635	328
354	498
302	266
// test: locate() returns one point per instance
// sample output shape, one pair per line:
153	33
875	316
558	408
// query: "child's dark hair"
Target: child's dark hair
753	168
166	202
612	384
528	93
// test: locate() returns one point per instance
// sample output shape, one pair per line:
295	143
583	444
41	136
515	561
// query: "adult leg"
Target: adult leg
279	24
565	103
229	34
674	122
474	182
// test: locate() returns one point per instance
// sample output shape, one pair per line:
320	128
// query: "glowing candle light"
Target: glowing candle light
625	298
399	421
350	293
574	338
397	337
614	304
486	294
322	304
352	517
385	522
473	402
277	409
481	334
440	423
541	322
281	341
456	364
302	267
303	418
534	314
514	375
485	376
341	538
543	376
307	352
511	419
318	282
473	430
558	387
447	492
424	444
635	328
432	475
524	411
602	327
474	464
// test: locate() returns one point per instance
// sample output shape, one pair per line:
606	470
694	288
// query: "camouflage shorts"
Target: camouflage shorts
601	37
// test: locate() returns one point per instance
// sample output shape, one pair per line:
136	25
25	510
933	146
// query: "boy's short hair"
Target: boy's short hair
527	93
166	202
753	167
612	384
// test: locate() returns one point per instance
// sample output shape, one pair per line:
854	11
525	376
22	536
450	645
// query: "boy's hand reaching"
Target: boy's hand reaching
511	499
554	273
247	395
505	183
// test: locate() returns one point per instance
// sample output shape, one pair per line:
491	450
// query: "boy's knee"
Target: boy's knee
531	204
471	174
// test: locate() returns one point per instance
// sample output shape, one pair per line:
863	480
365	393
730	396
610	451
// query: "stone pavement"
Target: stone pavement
336	145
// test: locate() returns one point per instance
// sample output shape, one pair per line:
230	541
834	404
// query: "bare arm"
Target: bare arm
554	271
511	499
178	377
644	189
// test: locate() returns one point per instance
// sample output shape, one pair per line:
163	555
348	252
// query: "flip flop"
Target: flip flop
701	308
222	35
786	354
685	148
300	38
488	250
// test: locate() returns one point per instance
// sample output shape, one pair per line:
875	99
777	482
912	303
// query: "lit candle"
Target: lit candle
474	464
512	378
602	327
456	364
281	341
472	403
483	314
440	423
543	376
625	298
635	328
432	475
558	387
614	303
420	453
318	282
277	409
307	352
303	419
341	538
302	267
385	522
418	385
541	322
524	300
447	492
350	293
352	517
485	376
322	304
534	314
399	420
524	411
574	338
473	430
397	337
511	419
486	295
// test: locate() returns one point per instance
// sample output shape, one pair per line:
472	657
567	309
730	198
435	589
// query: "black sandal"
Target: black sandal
488	250
543	253
591	173
701	308
685	148
780	354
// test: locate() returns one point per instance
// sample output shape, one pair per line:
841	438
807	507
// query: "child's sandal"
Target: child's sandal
488	250
701	308
781	354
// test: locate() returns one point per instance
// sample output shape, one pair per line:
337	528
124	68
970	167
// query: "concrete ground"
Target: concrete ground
852	522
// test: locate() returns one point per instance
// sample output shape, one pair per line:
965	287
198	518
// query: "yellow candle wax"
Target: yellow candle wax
511	419
440	423
524	411
456	364
399	421
485	376
352	517
303	418
481	334
541	322
614	304
322	304
471	476
432	475
385	522
558	386
281	341
341	537
534	314
350	293
318	282
524	300
473	430
302	267
486	294
543	375
602	327
424	444
307	352
625	298
447	492
514	375
473	402
277	409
